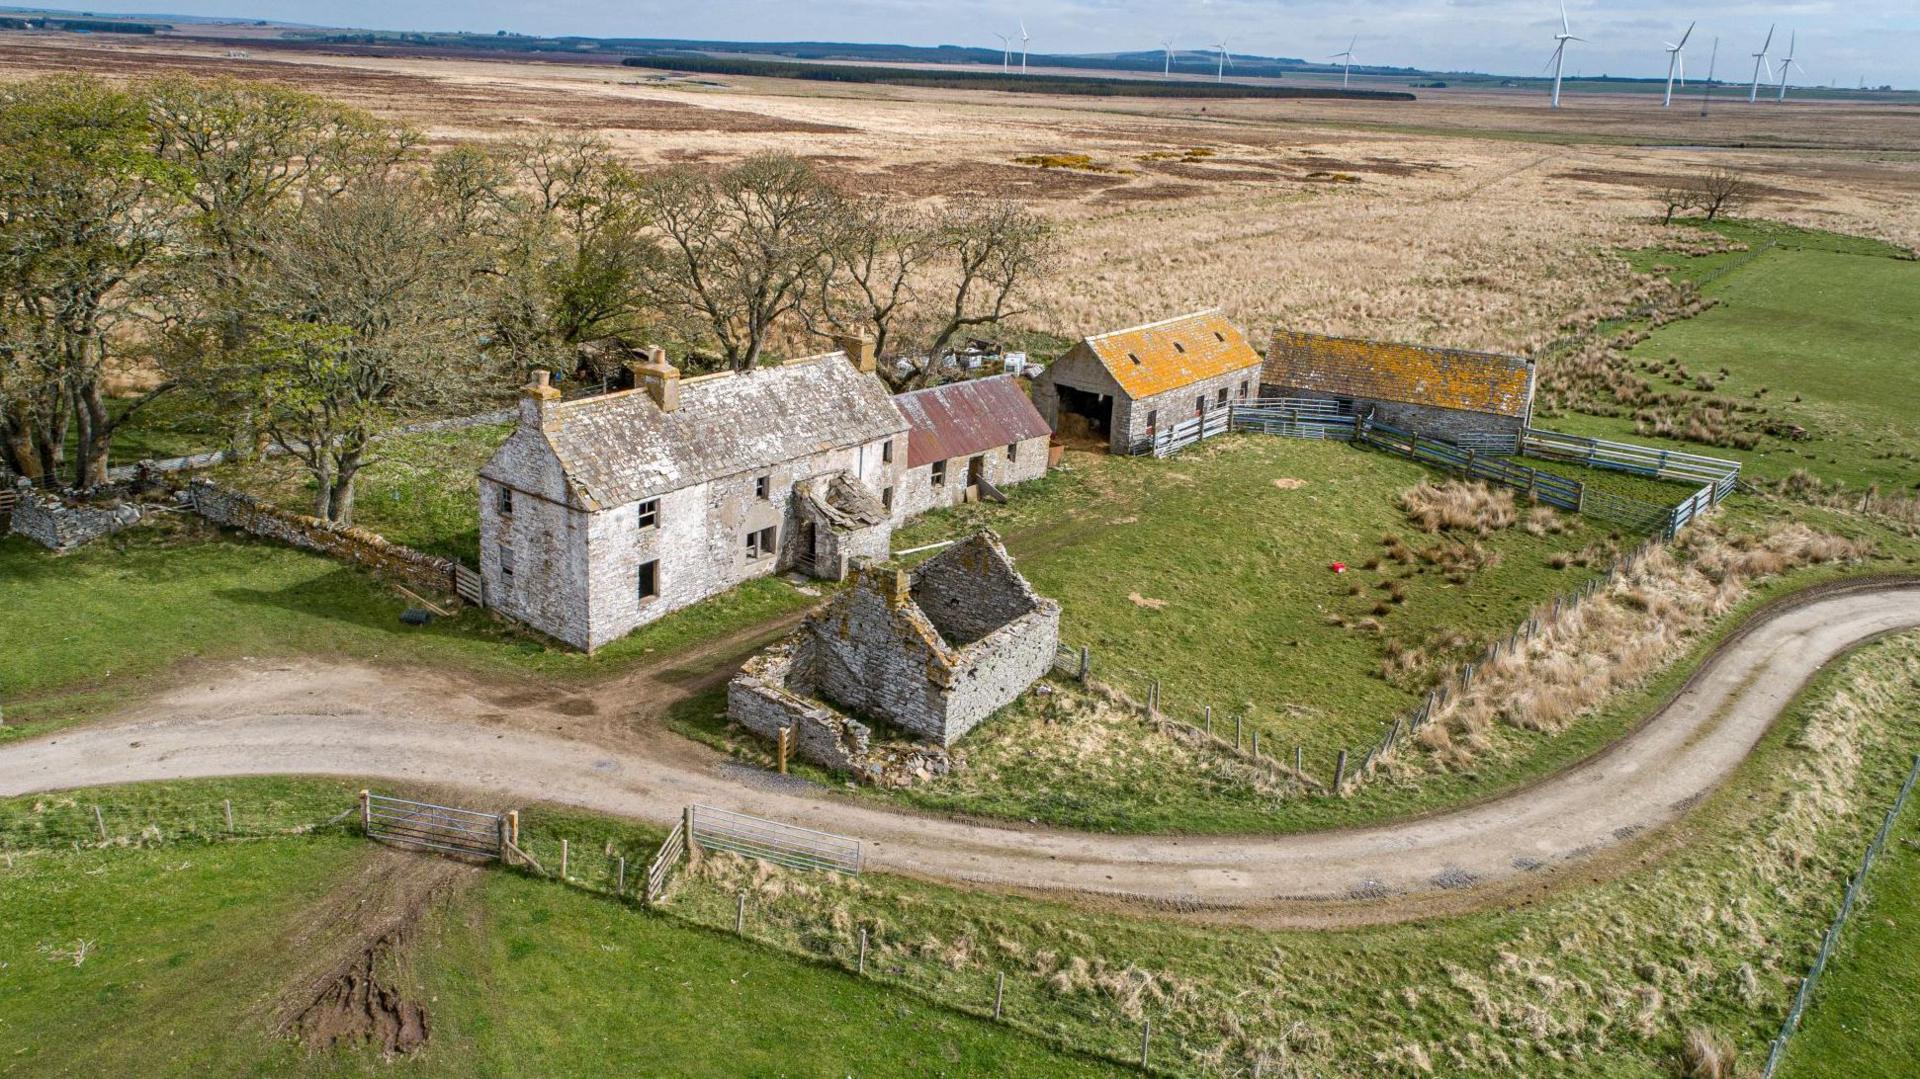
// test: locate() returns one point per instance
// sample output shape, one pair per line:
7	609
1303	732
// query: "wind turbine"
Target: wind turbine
1006	51
1760	59
1560	50
1788	62
1706	95
1676	61
1166	69
1024	38
1347	71
1226	61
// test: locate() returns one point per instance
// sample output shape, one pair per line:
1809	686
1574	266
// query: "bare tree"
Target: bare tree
1721	190
1677	197
989	253
740	247
367	317
870	283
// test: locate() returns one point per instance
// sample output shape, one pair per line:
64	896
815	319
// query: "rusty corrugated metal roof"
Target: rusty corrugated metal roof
960	419
1409	374
1162	356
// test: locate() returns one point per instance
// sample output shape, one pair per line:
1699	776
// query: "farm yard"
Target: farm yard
1293	646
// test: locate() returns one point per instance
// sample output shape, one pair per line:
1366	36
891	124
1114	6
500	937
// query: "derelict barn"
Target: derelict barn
601	514
966	441
1125	387
1477	399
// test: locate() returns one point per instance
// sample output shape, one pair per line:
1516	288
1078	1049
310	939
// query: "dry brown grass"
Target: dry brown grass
1459	506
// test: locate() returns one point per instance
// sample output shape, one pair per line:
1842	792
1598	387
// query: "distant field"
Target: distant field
957	79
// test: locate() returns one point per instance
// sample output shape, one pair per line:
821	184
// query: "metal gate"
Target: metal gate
771	841
432	827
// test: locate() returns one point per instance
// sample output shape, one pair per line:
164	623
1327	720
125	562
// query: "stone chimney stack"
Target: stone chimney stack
659	378
859	349
536	395
894	584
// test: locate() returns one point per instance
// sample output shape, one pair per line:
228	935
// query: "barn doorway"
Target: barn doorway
1086	418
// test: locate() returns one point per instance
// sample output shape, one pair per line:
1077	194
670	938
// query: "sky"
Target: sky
1840	42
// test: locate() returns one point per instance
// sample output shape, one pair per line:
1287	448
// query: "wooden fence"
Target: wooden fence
1539	485
1292	417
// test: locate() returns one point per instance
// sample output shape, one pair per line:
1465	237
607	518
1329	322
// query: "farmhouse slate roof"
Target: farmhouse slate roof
620	447
1166	355
960	419
1409	374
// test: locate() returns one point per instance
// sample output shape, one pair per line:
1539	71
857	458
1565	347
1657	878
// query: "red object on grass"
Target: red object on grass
1338	567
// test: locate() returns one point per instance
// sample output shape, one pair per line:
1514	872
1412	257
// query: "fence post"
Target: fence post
1299	762
1256	743
228	805
1209	719
1086	663
999	993
563	859
784	734
1339	772
1236	732
500	834
740	915
620	881
100	821
862	968
686	831
1146	1039
1153	700
513	826
366	813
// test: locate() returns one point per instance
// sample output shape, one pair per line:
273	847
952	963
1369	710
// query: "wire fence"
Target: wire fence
74	822
1777	1052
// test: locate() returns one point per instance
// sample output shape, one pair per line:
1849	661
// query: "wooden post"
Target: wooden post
228	805
785	733
1299	761
1339	772
1153	701
740	914
1256	743
100	822
500	830
686	832
862	968
513	826
366	813
1086	663
620	878
1236	731
999	993
563	859
1146	1039
1209	719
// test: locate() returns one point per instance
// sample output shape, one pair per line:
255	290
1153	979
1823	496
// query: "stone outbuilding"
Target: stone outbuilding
967	441
1126	386
930	652
601	514
1479	398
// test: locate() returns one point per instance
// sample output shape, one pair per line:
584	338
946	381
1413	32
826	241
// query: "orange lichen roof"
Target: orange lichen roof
1408	374
1161	356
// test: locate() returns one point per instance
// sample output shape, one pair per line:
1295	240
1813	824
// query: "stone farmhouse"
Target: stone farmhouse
966	441
931	652
601	514
1124	387
1467	397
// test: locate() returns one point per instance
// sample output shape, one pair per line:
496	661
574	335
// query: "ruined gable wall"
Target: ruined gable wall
994	671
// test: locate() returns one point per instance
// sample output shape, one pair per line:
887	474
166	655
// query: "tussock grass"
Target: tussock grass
1460	506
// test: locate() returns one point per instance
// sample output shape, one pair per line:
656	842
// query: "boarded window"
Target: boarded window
506	561
939	473
886	451
649	580
650	513
505	501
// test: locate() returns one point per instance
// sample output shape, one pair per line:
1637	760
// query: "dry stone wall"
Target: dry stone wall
62	525
236	510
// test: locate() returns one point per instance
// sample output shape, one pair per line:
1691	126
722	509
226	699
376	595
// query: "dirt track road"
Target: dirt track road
360	721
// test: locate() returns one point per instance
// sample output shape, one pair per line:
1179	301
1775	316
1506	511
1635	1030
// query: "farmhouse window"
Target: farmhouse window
1153	418
506	561
886	499
939	473
1200	403
505	502
886	452
1243	389
760	544
1222	402
1013	452
763	487
649	513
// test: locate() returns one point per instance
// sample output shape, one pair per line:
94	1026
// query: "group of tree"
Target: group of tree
1712	192
313	277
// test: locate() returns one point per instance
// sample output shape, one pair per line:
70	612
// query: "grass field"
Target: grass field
186	954
1859	1024
1818	327
82	631
186	949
